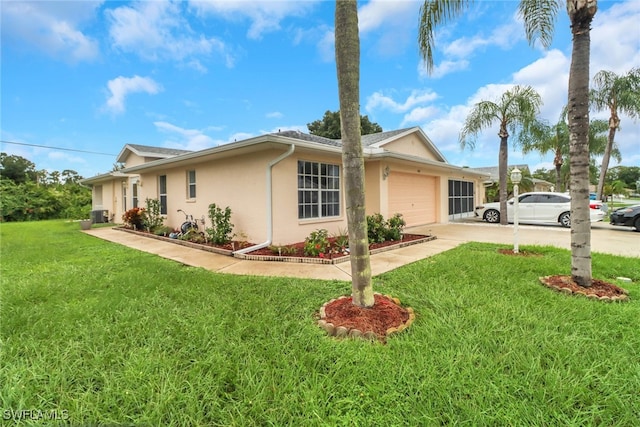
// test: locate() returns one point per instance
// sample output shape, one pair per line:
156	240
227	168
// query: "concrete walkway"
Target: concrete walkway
617	242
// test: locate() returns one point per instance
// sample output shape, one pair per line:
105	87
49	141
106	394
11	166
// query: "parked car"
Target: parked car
628	216
540	207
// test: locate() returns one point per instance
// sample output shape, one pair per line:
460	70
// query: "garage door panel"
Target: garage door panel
414	196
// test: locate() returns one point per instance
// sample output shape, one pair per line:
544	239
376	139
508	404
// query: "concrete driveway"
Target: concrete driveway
605	238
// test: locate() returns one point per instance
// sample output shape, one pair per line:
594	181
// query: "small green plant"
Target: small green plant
153	218
282	250
193	236
221	228
162	230
134	218
395	225
340	242
376	228
317	243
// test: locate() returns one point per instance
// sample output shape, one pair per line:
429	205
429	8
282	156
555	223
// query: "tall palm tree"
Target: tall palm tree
539	22
581	13
515	112
348	67
618	94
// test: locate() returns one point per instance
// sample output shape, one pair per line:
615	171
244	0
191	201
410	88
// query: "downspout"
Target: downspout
270	166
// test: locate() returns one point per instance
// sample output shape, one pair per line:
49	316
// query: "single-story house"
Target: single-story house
282	186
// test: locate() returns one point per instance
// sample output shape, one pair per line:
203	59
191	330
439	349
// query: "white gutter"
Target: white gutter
270	166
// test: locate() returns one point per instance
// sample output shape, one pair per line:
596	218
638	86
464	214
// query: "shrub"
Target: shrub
395	225
153	218
376	228
379	230
221	226
317	243
135	218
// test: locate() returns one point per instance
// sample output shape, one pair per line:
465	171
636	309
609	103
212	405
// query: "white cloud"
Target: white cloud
265	16
157	30
417	97
120	87
443	68
186	139
392	24
275	115
418	115
51	27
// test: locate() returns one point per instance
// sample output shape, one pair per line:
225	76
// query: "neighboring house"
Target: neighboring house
282	186
537	184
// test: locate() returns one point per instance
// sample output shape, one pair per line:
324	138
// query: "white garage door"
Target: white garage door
414	196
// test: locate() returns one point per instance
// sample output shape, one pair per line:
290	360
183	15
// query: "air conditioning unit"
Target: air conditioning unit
99	216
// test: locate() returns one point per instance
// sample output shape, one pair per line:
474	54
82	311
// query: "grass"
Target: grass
104	334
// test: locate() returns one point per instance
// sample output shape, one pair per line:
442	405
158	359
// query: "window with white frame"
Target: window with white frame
162	193
134	194
191	184
318	190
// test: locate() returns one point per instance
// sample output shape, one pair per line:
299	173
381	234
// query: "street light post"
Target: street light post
516	177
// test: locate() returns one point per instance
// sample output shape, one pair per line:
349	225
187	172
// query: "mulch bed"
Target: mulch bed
299	247
599	289
342	319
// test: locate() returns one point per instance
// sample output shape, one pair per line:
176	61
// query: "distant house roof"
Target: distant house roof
149	152
493	171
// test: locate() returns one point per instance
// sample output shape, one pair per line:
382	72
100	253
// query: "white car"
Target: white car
540	207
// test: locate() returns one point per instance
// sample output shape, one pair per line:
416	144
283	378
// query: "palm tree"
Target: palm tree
515	112
539	22
556	139
348	65
617	94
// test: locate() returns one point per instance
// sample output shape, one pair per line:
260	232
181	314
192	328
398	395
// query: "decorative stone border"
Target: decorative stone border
344	332
249	257
186	243
569	291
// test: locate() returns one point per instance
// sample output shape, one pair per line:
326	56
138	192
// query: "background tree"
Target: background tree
627	174
329	126
347	47
618	94
16	168
30	195
516	113
553	139
556	139
539	18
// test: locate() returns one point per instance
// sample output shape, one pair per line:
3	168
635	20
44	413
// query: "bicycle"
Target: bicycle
190	226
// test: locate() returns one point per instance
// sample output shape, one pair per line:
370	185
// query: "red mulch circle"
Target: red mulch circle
384	314
599	288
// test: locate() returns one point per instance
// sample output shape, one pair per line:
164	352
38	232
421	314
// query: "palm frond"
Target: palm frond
432	14
539	18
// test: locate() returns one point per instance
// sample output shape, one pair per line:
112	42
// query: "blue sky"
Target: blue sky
95	75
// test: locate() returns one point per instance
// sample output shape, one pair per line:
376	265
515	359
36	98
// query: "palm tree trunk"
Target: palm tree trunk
607	155
581	14
557	161
503	165
348	66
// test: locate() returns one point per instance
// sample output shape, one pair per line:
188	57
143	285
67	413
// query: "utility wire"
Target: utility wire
55	148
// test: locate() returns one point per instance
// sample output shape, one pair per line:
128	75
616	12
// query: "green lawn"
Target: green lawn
104	334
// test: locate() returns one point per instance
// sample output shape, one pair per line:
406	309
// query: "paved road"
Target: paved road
605	238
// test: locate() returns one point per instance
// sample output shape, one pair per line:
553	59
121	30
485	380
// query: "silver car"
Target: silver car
539	208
